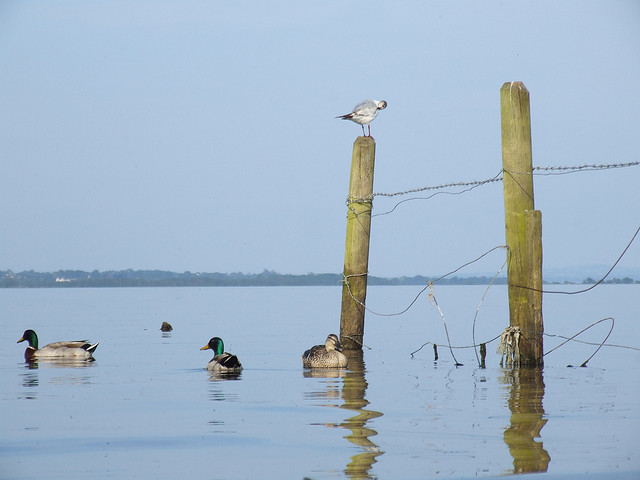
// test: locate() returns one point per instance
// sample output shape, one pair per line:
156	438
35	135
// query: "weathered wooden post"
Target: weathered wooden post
356	254
523	224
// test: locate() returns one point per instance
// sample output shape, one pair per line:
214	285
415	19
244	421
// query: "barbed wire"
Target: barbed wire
582	168
468	186
551	170
473	184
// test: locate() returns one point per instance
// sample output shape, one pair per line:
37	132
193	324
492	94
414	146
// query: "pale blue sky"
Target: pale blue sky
200	135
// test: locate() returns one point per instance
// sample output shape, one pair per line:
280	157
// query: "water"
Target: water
146	408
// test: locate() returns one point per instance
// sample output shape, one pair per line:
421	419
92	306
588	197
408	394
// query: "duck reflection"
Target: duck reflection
69	374
60	362
216	392
354	386
330	388
525	403
222	376
30	381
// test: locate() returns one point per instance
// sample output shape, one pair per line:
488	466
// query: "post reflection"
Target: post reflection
354	387
525	402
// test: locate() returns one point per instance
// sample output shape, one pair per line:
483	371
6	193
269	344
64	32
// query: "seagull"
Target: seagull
364	113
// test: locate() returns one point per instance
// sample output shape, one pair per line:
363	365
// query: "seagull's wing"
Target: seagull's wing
366	107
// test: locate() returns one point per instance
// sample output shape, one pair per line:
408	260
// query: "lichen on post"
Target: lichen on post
356	256
522	223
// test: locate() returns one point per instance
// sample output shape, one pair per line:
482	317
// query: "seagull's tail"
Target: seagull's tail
348	116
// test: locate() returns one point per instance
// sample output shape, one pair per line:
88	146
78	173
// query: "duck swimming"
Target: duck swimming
325	356
79	350
222	361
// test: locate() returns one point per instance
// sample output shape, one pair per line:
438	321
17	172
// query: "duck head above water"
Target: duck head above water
216	345
31	337
333	343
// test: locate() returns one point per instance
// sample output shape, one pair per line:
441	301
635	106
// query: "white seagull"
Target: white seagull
364	113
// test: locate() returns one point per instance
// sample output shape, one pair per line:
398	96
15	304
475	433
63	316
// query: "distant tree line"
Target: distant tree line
160	278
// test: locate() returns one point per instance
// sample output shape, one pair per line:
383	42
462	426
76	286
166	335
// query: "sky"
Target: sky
201	135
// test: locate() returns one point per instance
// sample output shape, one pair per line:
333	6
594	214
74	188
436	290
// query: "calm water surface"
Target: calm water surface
146	408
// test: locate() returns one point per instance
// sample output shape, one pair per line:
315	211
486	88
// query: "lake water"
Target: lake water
146	408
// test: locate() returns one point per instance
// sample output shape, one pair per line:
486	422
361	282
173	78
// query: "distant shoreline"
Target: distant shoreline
160	278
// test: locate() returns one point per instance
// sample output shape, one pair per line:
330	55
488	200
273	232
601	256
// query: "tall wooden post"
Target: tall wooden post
356	254
522	223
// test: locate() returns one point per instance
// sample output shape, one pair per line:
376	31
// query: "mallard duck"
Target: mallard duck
80	349
166	327
222	361
325	356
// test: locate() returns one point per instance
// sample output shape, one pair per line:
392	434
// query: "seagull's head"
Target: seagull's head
382	104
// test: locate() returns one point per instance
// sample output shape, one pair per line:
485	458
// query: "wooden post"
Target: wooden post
356	254
533	348
523	234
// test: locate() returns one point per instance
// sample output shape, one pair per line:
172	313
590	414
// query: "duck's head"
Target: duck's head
31	337
333	343
216	345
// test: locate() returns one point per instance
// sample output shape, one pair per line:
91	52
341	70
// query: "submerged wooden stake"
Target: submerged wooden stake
356	254
523	224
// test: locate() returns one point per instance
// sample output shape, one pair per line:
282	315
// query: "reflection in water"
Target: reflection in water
30	381
353	394
59	362
216	392
331	388
525	403
222	376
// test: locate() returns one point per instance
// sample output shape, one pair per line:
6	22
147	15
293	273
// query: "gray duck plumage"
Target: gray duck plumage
328	355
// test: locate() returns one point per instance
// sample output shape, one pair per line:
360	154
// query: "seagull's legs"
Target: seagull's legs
369	127
363	134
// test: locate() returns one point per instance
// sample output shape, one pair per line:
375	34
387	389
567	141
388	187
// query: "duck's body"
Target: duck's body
328	355
222	362
78	350
166	327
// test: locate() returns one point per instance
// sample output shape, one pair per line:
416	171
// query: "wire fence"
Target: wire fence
464	187
467	186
